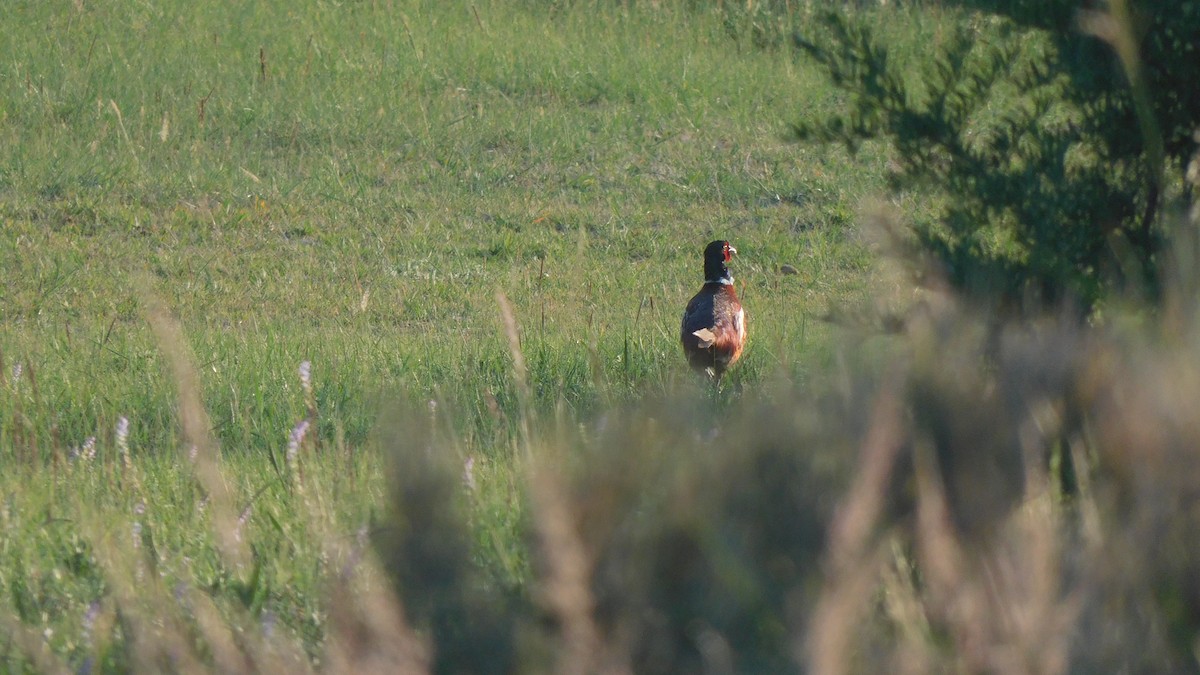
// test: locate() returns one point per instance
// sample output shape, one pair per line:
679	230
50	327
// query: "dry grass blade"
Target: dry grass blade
565	589
196	428
1117	26
828	645
226	655
565	585
368	632
32	644
852	561
520	371
513	333
942	559
852	525
150	616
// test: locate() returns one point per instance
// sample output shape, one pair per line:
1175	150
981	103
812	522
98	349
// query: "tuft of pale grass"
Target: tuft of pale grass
193	417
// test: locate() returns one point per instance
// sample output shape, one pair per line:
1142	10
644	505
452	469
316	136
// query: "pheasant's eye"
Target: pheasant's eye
728	257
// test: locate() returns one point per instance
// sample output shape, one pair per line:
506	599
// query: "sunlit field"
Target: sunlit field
343	337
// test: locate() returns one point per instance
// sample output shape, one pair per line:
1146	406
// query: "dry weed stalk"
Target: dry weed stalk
564	584
1001	600
32	644
855	554
155	628
512	332
196	430
368	632
565	581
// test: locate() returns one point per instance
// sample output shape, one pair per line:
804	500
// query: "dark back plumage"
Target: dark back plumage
713	331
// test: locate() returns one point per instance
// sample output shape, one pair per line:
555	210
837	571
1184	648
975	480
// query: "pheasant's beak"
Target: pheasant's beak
732	251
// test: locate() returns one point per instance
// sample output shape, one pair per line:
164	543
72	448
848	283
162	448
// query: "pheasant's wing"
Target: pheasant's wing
698	314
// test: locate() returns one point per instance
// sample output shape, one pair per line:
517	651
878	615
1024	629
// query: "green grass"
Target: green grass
360	204
366	188
351	184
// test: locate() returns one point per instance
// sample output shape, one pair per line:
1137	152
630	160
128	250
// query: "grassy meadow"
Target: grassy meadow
341	337
351	185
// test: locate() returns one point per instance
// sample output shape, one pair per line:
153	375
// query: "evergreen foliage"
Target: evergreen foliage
1052	130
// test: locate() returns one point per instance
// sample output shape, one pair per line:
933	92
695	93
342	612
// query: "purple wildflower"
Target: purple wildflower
295	439
306	376
123	435
243	518
469	473
139	510
89	619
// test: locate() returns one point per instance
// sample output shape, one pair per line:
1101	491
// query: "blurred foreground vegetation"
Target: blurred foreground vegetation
342	339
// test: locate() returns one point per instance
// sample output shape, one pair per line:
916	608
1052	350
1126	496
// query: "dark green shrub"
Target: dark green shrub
1050	145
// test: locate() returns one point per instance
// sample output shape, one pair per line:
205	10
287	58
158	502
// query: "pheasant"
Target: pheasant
714	324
